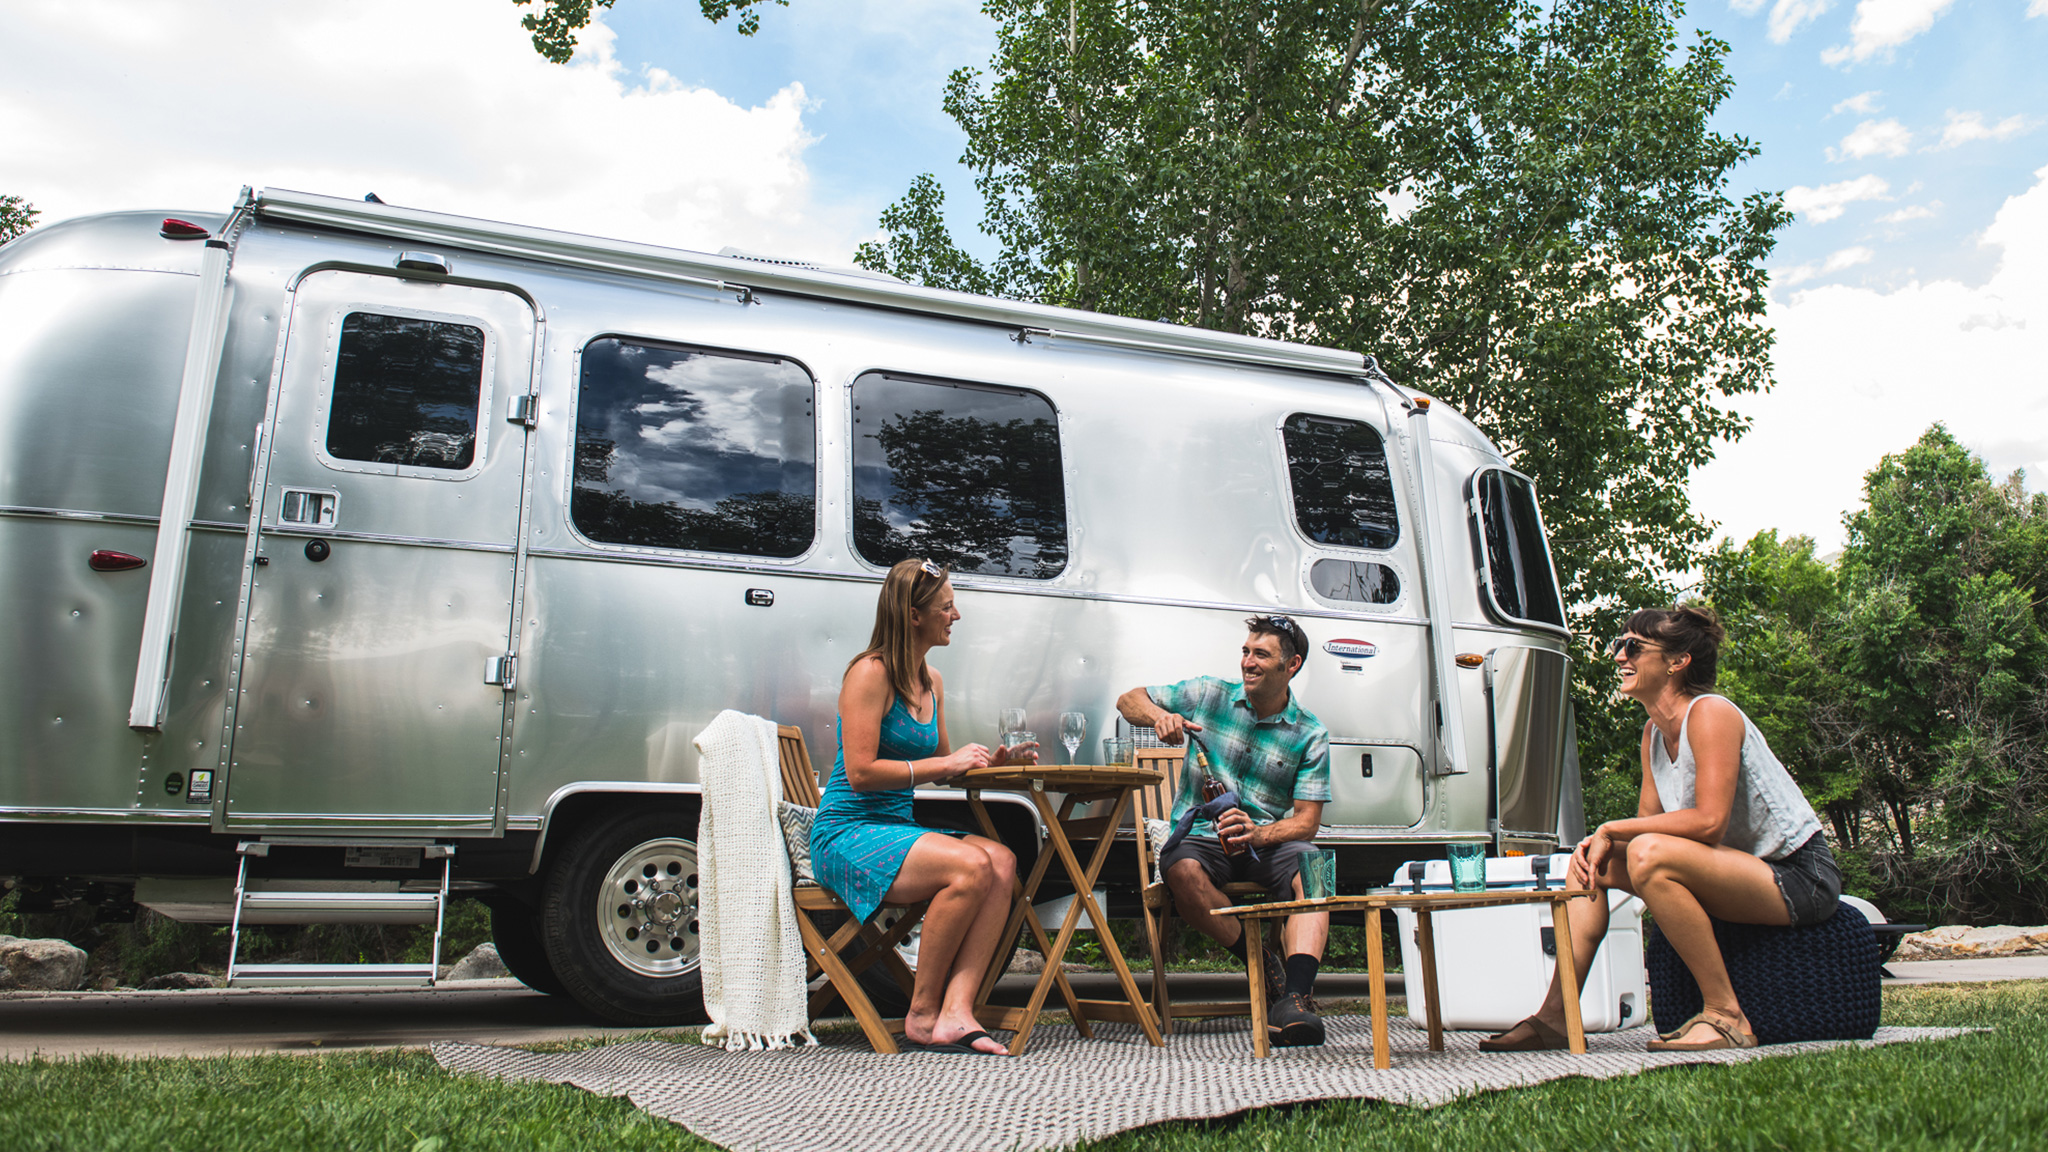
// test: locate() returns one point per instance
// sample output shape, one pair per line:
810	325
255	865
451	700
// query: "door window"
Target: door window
406	392
1355	581
695	449
1520	585
1343	491
963	474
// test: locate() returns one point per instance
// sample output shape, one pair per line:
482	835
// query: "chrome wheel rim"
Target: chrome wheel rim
647	908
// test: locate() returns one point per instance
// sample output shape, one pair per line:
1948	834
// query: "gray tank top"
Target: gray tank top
1770	818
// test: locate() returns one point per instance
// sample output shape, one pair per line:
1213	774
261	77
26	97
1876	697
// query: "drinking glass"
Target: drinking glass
1468	867
1013	723
1073	726
1116	750
1319	874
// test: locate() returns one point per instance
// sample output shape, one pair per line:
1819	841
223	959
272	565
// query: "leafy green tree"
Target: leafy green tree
16	216
555	23
1517	207
1945	662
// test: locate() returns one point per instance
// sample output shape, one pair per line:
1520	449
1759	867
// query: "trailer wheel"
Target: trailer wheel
515	930
619	918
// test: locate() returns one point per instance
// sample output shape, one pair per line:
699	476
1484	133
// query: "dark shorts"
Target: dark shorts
1274	870
1809	881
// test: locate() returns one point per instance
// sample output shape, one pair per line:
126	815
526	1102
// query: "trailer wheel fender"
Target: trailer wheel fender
619	916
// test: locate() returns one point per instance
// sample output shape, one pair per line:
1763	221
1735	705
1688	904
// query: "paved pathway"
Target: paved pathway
245	1021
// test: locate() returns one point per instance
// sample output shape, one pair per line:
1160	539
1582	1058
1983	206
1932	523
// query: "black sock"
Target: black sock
1237	949
1301	974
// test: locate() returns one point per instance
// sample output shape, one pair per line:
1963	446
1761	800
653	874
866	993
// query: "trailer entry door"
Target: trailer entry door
380	593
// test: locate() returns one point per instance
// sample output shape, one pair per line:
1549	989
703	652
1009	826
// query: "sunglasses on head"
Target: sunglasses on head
932	570
1288	626
1630	646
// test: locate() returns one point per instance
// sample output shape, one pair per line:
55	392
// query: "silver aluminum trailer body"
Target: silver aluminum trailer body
458	640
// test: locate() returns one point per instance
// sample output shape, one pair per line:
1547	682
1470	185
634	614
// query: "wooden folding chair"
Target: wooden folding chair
1156	803
878	945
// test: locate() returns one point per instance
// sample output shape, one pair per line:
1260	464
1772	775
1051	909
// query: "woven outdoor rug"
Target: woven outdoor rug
1064	1089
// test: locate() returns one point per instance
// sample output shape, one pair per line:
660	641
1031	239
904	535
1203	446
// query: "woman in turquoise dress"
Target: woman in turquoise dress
865	845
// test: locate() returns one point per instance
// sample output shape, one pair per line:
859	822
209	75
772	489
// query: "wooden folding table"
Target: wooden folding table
1082	785
1423	904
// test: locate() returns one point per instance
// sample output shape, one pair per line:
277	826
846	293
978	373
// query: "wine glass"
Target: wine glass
1073	726
1012	724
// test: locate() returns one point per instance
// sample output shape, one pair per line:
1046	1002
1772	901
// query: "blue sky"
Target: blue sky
1911	135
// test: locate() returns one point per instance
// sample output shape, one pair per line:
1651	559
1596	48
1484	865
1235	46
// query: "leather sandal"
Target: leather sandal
1682	1029
1541	1038
1728	1038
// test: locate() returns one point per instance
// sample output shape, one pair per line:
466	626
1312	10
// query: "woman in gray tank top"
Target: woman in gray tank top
1721	830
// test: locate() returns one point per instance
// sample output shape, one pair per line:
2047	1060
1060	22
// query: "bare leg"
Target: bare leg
1683	882
1194	894
965	880
1305	934
1586	920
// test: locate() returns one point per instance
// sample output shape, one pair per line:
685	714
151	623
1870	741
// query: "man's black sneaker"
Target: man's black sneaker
1293	1022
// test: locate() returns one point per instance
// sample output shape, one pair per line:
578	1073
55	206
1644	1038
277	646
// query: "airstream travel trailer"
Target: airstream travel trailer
355	555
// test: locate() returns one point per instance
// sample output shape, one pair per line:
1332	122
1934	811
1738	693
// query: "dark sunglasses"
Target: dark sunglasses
1288	626
1630	646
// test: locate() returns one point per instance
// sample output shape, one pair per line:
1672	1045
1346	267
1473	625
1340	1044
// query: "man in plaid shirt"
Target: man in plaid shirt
1276	755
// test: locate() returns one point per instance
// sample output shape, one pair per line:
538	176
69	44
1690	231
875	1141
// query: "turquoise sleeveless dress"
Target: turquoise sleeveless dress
860	839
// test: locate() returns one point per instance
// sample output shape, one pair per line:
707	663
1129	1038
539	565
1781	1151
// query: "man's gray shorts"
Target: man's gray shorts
1274	870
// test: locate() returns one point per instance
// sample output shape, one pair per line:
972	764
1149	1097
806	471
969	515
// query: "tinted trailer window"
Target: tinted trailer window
1343	492
406	392
694	449
1520	585
963	474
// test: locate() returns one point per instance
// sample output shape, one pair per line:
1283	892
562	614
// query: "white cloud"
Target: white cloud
1819	205
1883	25
1912	211
2038	8
1874	138
135	104
1967	127
1836	262
1788	15
1862	373
1752	7
1863	103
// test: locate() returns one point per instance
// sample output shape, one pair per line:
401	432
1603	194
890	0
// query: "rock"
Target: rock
482	963
179	982
1029	963
1962	942
41	965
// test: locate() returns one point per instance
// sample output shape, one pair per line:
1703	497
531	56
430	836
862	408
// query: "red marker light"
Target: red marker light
175	229
108	560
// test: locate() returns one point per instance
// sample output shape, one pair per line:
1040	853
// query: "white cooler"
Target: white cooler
1494	964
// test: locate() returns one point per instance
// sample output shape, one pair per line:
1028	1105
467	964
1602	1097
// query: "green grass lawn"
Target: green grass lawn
1975	1092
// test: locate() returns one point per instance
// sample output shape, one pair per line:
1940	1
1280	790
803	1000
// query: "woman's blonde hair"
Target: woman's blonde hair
912	585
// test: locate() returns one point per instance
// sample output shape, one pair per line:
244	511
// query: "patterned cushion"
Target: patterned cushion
796	834
1819	982
1156	832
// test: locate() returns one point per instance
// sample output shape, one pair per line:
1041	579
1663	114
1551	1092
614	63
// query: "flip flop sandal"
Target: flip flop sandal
964	1046
1728	1038
1542	1038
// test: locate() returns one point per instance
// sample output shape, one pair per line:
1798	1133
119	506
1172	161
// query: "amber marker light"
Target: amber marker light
1470	659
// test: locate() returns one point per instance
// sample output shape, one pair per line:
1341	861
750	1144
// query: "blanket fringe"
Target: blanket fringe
734	1041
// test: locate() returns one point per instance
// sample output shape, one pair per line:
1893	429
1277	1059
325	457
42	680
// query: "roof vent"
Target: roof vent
175	229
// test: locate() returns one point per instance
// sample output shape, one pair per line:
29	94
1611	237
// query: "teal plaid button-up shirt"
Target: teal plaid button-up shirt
1271	762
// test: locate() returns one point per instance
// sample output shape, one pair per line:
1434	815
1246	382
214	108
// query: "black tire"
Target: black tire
618	918
515	930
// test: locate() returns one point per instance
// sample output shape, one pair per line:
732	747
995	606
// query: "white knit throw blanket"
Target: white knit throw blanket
753	957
